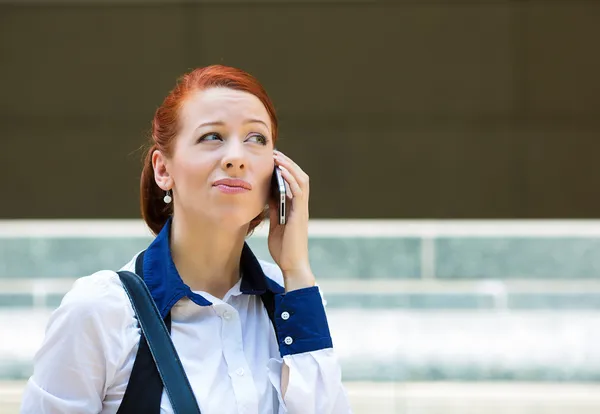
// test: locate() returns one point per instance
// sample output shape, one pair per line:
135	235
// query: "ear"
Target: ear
161	173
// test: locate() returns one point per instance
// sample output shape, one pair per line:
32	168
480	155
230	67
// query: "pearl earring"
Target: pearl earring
167	198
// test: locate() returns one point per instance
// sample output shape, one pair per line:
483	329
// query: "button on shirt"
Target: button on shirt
228	346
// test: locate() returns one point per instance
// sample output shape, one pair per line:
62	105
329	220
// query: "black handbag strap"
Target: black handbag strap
268	300
163	351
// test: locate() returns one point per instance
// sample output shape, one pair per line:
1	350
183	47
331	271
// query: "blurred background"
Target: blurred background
452	151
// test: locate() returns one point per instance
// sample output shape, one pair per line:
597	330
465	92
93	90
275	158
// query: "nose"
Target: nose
234	157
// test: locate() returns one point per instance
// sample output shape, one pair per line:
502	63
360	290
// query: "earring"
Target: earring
167	198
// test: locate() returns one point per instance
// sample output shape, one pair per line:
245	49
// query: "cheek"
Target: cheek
191	170
266	176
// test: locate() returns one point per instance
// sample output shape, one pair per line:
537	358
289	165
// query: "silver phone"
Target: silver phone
278	192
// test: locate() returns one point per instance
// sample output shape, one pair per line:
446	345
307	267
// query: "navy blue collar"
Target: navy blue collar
167	288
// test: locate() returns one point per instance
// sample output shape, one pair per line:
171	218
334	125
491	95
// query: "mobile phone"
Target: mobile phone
278	193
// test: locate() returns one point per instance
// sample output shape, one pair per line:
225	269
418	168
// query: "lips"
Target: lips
234	183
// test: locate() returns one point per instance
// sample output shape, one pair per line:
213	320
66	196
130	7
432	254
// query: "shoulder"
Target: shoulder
103	289
99	297
272	271
93	330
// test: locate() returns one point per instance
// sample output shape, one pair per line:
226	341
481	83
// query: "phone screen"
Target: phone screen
278	194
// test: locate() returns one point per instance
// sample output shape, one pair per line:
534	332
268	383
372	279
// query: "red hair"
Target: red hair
165	127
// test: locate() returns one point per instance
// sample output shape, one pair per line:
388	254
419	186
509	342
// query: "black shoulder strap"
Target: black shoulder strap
143	393
163	351
144	389
268	300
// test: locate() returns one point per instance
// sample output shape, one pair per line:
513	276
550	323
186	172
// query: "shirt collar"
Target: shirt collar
167	287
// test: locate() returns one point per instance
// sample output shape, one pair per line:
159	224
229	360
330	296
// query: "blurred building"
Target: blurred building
407	109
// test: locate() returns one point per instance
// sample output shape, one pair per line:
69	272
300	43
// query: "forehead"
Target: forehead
222	104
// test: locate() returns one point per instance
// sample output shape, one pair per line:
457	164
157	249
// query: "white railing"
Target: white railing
329	228
426	230
498	290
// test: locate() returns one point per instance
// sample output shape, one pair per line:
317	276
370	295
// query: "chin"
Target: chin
234	219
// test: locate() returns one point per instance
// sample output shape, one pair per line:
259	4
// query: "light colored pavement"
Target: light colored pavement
435	398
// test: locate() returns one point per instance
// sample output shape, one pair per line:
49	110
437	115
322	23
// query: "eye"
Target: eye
211	136
259	138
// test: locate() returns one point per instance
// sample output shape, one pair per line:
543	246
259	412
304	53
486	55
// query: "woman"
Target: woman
204	188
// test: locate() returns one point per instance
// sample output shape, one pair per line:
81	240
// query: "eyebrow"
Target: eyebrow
221	123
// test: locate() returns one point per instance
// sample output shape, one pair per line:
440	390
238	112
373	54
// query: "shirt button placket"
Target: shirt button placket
241	379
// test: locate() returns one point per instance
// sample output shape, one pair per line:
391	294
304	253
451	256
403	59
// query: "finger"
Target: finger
294	187
300	176
289	160
288	191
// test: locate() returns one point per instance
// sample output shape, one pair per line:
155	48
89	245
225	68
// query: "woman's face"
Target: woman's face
224	134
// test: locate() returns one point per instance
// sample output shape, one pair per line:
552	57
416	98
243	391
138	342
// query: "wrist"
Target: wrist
298	279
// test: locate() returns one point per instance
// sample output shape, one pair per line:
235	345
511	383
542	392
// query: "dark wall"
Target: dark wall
407	109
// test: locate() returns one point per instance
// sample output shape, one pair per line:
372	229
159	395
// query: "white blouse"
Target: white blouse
228	349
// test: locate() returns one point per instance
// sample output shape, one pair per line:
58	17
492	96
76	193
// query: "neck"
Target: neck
207	254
